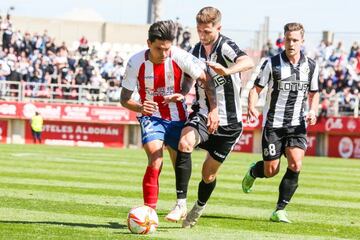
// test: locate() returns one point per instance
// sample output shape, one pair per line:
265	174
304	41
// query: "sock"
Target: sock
257	171
182	173
151	187
205	191
287	188
181	202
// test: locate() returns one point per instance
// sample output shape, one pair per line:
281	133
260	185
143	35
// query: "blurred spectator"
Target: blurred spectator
83	47
280	43
6	27
179	29
36	127
268	50
353	50
327	93
185	44
4	72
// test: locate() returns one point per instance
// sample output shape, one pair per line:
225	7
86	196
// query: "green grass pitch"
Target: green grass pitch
73	193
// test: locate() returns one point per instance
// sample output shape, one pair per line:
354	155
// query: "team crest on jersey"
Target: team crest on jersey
306	70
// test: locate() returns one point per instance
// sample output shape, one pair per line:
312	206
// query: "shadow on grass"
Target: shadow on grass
111	225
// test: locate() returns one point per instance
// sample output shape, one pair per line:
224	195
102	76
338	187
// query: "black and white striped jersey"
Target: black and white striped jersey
228	88
288	87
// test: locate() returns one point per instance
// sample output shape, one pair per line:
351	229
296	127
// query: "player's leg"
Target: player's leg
270	165
295	151
172	138
182	165
218	146
191	135
154	153
205	189
152	132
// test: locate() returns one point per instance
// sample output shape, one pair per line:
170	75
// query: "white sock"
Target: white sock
181	202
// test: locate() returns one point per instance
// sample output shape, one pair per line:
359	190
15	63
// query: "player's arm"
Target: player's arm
147	108
260	82
213	116
252	100
242	64
314	97
186	86
128	87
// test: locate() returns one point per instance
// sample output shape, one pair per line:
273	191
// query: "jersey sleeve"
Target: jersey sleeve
191	65
130	77
314	82
232	52
264	75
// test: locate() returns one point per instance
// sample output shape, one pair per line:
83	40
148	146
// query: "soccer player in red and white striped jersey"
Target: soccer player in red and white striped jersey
162	75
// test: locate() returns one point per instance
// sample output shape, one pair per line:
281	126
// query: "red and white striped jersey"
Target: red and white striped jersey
154	81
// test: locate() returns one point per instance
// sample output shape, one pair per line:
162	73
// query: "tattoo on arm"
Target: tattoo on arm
210	91
186	85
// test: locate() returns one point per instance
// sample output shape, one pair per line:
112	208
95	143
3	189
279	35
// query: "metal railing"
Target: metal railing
85	94
59	93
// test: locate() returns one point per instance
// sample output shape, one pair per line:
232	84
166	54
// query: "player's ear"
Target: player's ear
219	27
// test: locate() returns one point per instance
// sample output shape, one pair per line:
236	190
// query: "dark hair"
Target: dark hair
162	30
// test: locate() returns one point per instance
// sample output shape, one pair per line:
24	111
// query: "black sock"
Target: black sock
182	173
205	191
257	171
287	188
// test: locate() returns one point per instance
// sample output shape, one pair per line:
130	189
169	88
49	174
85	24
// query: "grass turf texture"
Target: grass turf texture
49	192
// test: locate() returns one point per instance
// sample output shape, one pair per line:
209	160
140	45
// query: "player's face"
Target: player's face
293	43
159	50
208	33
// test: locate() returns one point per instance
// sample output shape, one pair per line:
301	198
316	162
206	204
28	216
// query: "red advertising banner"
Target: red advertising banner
311	149
341	125
79	134
68	112
253	124
3	131
245	143
344	146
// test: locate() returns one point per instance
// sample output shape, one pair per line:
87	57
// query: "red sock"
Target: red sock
151	187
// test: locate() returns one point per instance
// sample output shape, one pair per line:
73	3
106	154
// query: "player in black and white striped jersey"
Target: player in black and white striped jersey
224	61
292	79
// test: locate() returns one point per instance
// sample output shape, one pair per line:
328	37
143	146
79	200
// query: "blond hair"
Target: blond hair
208	15
290	27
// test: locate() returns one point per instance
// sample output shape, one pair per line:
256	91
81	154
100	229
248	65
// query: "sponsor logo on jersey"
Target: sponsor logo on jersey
291	84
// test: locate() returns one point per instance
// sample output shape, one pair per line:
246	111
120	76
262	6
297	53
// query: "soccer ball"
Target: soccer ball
142	220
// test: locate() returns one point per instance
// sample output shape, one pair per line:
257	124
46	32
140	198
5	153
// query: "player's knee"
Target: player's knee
271	171
155	163
295	167
209	178
186	144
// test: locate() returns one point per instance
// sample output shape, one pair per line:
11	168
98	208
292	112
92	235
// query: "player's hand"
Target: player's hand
176	97
149	107
252	114
218	68
213	121
311	117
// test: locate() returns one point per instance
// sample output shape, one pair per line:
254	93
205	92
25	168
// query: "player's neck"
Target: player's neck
294	59
209	48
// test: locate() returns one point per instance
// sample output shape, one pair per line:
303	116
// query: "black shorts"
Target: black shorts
275	140
219	144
